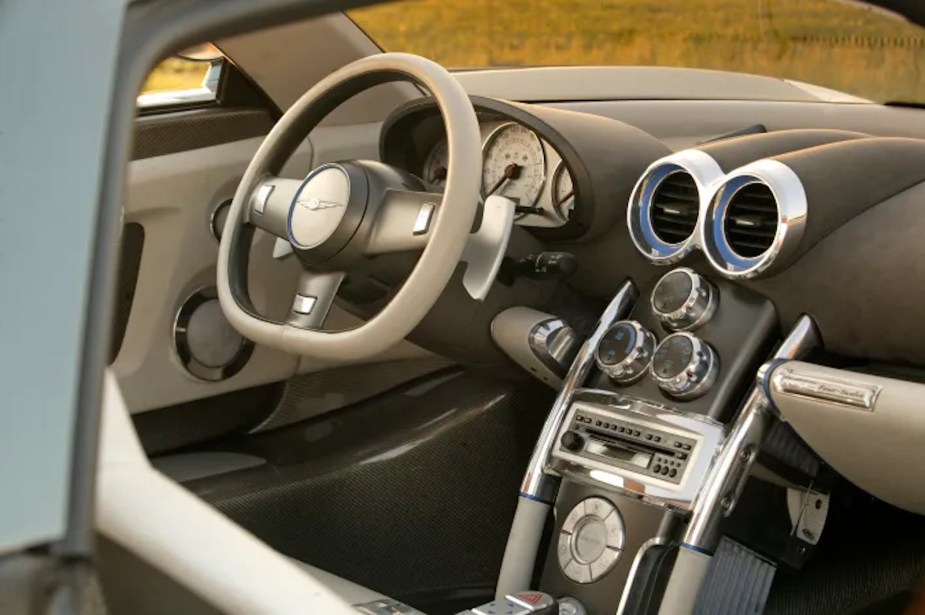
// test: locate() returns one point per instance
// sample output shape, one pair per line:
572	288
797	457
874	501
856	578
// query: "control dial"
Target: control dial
684	366
683	300
625	351
572	441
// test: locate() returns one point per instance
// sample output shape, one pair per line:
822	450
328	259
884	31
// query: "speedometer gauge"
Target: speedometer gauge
435	166
514	164
563	191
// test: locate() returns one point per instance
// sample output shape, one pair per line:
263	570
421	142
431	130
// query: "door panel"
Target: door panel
173	198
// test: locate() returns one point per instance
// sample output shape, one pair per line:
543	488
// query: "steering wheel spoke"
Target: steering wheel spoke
269	203
403	221
313	299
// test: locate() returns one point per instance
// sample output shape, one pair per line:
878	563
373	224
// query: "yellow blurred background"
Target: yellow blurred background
824	42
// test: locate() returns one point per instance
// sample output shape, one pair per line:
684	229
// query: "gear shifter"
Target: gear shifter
521	603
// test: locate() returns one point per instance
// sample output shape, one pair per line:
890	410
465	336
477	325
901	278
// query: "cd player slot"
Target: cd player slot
619	450
632	444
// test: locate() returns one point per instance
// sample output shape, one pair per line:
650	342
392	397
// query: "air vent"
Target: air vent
675	206
751	220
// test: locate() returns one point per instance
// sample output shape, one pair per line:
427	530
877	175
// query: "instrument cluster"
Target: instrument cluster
519	165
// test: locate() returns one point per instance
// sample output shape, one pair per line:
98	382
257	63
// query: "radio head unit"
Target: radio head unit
650	450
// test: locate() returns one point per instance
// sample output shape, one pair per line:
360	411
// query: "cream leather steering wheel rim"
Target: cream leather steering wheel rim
316	222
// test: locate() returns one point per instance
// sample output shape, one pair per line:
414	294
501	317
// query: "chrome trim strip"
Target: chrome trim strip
792	211
706	173
727	477
537	484
861	396
634	568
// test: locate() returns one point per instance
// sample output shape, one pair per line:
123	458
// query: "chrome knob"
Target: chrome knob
684	366
683	299
625	351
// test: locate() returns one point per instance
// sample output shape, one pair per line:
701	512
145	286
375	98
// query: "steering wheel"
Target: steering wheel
343	212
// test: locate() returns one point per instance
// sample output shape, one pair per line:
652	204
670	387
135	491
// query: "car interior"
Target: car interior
394	338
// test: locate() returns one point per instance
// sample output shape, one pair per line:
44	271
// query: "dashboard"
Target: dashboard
551	163
800	214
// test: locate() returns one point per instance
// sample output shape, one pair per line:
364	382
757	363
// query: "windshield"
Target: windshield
835	44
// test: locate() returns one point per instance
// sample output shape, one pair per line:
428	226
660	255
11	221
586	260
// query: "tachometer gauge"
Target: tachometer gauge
563	191
435	166
514	164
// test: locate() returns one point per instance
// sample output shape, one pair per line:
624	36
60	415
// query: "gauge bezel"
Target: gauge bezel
424	164
561	168
493	136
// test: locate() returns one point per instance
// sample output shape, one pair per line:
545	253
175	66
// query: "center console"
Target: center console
648	445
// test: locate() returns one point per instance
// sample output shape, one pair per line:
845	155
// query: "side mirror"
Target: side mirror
205	52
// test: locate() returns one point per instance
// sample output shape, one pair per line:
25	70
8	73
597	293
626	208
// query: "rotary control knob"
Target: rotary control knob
684	366
572	441
683	299
625	351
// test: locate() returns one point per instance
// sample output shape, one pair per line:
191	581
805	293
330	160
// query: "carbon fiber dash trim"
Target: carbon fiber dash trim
205	419
311	395
180	131
408	494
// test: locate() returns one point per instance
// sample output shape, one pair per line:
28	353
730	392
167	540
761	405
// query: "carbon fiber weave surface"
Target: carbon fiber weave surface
311	395
410	493
185	130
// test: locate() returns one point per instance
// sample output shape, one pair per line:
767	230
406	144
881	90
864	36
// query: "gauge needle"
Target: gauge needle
439	174
565	198
510	172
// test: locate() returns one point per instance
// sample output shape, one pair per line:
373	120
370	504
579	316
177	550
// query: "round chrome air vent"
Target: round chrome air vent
665	207
755	219
675	208
751	217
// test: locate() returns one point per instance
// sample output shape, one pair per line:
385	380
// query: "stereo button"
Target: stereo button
602	564
573	518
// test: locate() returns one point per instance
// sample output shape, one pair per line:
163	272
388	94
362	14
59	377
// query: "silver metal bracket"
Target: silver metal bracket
808	513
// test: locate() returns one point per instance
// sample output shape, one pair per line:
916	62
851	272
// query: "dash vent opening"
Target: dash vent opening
751	220
675	207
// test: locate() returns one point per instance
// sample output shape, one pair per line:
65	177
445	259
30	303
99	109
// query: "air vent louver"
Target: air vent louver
675	206
751	220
